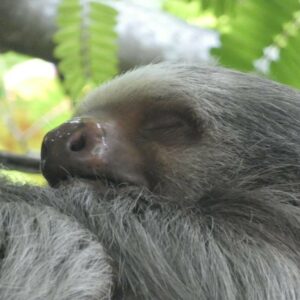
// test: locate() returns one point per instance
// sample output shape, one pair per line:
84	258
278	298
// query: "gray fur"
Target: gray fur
47	255
250	125
229	231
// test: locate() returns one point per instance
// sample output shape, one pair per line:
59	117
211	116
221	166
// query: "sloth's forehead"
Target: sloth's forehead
130	107
134	89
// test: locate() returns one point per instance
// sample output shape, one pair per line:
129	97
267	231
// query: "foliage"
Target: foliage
256	35
86	44
190	9
251	32
184	9
31	103
31	106
22	177
220	7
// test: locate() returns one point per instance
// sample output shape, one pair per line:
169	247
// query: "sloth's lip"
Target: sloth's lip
95	182
105	180
108	181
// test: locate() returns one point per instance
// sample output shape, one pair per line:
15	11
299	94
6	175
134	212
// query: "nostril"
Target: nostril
78	142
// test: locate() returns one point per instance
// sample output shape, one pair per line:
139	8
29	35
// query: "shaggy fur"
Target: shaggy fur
230	230
45	254
249	127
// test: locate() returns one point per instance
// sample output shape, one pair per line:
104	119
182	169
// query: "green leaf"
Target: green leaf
86	44
69	4
286	70
69	47
219	7
69	19
185	9
256	25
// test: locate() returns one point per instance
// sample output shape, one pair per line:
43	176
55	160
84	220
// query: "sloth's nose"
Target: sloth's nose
70	148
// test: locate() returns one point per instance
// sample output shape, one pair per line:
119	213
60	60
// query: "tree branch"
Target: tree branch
21	163
144	35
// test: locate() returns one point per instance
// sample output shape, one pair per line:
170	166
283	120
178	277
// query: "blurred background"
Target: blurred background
52	52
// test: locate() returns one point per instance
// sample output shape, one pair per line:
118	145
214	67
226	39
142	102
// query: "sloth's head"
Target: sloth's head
176	130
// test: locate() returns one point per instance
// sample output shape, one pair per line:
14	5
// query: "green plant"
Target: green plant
86	44
256	35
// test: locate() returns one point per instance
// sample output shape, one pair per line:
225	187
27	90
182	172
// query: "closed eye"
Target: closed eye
164	122
174	126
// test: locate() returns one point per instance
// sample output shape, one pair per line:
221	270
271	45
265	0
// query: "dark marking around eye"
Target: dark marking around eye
165	122
170	128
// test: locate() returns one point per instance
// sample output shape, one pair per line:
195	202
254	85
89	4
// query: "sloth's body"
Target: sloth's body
210	210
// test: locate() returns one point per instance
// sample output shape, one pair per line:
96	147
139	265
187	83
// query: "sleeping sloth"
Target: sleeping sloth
171	182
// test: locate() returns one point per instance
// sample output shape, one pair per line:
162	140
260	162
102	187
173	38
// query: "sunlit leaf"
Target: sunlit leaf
85	43
185	9
256	24
219	7
286	69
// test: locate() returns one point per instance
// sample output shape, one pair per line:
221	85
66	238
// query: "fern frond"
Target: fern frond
219	7
256	24
86	44
286	69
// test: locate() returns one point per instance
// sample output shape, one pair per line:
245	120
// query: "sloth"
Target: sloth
174	181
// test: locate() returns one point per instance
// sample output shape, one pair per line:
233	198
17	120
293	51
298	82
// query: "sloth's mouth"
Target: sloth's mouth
104	179
101	181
